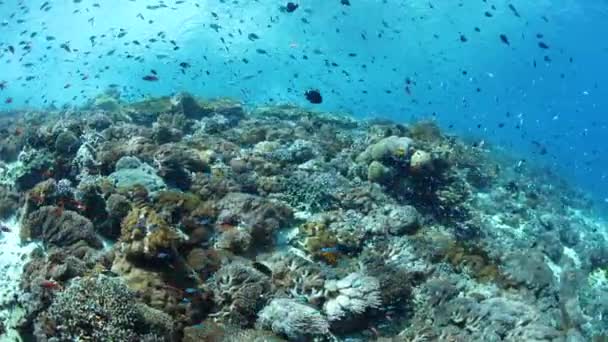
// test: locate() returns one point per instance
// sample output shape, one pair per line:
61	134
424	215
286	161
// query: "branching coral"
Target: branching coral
239	292
296	277
101	309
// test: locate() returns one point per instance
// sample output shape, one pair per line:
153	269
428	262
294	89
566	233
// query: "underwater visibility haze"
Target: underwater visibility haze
313	170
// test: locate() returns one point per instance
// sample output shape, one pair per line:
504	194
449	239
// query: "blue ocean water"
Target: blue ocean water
361	56
396	59
236	222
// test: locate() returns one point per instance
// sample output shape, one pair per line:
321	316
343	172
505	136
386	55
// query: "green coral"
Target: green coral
378	173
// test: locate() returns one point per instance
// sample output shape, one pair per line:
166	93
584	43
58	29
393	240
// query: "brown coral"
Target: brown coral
144	234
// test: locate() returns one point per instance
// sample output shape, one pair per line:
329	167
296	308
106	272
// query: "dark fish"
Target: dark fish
11	49
345	2
290	7
150	78
542	45
314	96
514	10
253	36
262	268
2	85
65	46
184	65
504	39
8	100
153	72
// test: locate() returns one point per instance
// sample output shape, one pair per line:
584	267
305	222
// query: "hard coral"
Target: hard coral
144	234
101	309
257	216
239	292
351	296
176	164
295	320
130	171
56	227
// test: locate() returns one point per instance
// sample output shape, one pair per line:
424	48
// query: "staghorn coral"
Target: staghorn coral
292	319
296	277
239	292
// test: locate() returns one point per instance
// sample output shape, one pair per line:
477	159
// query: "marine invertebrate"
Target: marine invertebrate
421	161
320	241
311	191
56	227
102	309
528	270
256	215
296	277
351	295
130	171
292	319
392	219
67	143
425	130
9	202
145	234
378	173
176	164
387	150
239	292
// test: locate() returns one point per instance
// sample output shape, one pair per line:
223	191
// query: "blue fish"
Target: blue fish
186	300
191	290
162	255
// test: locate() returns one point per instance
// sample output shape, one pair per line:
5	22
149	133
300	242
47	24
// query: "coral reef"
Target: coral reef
130	172
101	309
182	219
292	319
239	292
351	295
